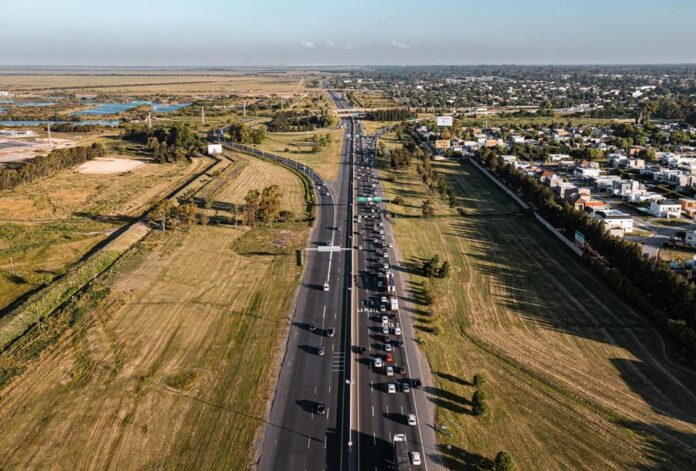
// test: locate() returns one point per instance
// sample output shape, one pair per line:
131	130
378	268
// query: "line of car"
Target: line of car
380	305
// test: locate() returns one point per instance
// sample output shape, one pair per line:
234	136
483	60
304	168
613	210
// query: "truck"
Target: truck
401	460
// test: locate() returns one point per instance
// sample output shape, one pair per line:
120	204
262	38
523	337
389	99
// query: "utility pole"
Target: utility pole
202	115
244	108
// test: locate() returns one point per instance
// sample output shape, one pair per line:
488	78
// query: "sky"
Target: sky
352	32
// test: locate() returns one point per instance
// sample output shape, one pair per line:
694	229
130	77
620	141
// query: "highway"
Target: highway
297	437
381	414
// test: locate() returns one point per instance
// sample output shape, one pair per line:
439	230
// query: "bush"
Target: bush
479	380
479	406
503	462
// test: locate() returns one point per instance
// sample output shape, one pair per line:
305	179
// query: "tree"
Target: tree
479	380
503	462
251	209
427	209
452	201
187	214
258	134
444	270
269	205
647	154
430	266
162	211
398	200
479	406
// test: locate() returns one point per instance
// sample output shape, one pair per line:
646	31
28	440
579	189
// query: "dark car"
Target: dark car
362	349
400	370
312	327
320	408
416	383
330	332
320	350
399	343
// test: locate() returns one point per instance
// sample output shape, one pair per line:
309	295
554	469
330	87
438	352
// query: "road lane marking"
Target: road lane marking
373	411
374	442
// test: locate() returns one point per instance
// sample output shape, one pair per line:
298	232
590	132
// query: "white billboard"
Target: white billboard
444	121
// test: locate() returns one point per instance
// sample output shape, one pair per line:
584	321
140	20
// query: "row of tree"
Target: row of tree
432	268
390	114
649	283
45	165
292	121
167	144
245	135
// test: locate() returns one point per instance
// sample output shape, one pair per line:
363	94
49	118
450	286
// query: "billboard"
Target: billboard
444	121
442	144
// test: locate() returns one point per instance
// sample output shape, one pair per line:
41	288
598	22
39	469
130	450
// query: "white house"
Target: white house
586	172
559	157
615	219
665	209
214	149
508	159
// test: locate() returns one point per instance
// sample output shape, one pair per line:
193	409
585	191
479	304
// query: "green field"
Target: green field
576	379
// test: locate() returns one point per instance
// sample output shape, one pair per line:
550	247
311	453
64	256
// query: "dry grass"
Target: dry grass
258	174
372	127
298	147
576	379
373	99
172	369
164	83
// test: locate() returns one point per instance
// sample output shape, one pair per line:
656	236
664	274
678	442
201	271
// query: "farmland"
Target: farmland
258	174
297	146
574	376
150	368
47	225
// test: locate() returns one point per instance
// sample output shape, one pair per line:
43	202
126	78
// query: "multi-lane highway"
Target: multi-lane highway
351	375
300	435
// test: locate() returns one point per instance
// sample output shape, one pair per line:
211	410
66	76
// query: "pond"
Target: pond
116	108
43	123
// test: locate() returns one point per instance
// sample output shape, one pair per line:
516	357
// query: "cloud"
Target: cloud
399	45
330	44
346	46
307	44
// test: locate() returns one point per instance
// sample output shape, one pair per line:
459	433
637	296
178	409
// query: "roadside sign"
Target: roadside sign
329	248
579	239
365	199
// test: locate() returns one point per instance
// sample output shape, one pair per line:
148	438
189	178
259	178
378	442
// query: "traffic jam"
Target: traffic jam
378	304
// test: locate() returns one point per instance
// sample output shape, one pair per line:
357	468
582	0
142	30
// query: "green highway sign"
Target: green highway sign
365	199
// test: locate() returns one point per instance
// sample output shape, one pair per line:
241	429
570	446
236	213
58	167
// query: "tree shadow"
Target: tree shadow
454	457
452	378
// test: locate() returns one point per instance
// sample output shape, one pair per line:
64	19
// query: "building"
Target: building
214	149
690	238
16	133
586	172
688	206
665	209
508	159
615	219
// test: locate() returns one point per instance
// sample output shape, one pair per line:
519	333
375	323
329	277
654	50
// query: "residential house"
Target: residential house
586	172
688	206
615	219
665	209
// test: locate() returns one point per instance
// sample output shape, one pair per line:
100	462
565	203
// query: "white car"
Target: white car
390	372
378	363
415	458
391	388
411	419
385	329
387	347
397	330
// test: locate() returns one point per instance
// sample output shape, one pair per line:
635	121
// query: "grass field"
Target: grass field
297	146
161	83
373	99
166	363
372	127
575	378
258	174
51	223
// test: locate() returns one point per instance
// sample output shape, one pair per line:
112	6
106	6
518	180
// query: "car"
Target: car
387	347
405	387
319	408
320	350
416	383
391	388
312	327
330	332
400	369
377	363
362	349
411	419
384	300
390	371
391	246
326	286
415	458
385	319
385	329
390	358
386	254
397	330
399	343
380	284
382	308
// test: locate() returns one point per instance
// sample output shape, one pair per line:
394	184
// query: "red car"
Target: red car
390	358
